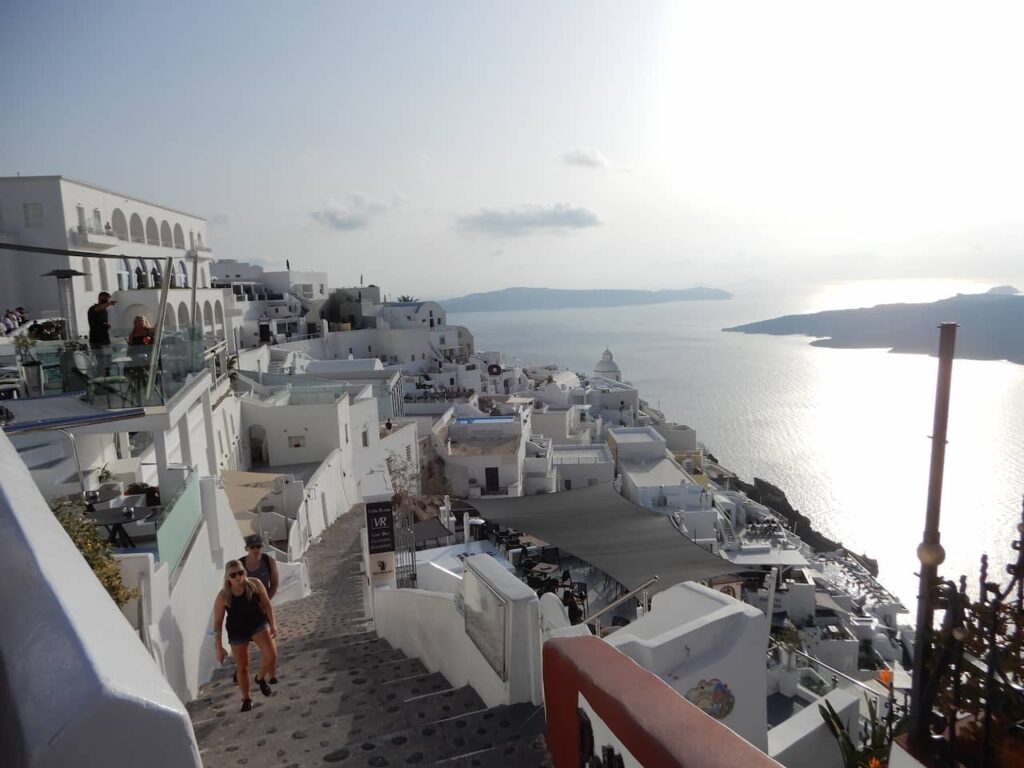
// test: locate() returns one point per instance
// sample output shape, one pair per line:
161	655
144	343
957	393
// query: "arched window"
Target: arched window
179	237
218	317
182	275
169	322
135	226
152	232
165	235
155	275
119	223
140	277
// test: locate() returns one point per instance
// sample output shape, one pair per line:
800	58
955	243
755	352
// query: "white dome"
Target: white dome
606	364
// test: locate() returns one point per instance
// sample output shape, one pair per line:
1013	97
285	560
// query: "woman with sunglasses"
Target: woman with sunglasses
259	565
250	618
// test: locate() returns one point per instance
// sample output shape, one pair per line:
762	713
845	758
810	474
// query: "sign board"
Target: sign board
485	613
382	564
380	527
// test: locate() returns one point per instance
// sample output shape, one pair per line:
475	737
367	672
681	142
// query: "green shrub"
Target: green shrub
94	548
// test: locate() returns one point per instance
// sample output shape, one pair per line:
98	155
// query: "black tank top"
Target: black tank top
244	612
262	571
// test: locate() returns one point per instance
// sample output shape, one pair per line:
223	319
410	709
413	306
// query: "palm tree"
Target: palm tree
405	298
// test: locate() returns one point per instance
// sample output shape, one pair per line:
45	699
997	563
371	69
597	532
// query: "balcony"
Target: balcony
94	238
66	383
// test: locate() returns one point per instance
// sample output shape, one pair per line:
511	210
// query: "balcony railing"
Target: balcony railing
177	524
117	377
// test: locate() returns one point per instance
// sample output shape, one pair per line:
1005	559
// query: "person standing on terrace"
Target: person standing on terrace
250	619
99	332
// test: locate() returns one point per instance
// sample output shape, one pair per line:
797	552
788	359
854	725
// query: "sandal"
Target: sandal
265	688
246	705
273	681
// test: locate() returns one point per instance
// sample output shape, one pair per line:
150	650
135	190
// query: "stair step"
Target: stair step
494	727
516	755
435	744
441	705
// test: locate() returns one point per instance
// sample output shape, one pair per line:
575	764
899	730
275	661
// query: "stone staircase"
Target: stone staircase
346	697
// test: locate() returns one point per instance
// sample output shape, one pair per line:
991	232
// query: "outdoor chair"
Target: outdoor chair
551	555
110	385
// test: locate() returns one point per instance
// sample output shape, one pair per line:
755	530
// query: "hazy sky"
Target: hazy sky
440	148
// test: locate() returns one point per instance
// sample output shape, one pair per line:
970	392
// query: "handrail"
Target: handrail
617	603
657	726
833	670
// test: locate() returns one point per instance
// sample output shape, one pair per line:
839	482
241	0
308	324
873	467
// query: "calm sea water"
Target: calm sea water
843	432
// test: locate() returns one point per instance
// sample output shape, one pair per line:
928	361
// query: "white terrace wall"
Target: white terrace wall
695	638
70	663
430	626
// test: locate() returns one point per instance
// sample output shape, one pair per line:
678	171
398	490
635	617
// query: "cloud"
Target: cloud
558	218
356	214
587	157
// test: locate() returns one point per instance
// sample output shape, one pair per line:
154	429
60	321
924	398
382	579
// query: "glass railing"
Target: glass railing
177	523
118	376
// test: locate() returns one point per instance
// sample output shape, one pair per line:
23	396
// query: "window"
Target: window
408	453
296	441
452	382
346	434
33	215
568	484
369	348
366	437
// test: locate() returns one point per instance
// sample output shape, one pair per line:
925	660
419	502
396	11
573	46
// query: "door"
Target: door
491	479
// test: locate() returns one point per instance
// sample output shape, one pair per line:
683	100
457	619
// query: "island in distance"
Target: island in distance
554	298
991	326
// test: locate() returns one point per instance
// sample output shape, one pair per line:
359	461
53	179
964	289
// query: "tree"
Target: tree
406	298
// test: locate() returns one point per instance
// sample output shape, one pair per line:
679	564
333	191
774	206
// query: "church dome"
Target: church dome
607	365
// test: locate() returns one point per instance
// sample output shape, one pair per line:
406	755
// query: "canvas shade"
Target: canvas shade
596	524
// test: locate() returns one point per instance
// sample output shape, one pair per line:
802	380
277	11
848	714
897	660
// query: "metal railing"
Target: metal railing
596	618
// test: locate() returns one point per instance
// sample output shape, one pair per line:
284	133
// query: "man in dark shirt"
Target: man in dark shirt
99	332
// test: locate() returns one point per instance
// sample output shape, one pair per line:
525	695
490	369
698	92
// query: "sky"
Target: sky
441	148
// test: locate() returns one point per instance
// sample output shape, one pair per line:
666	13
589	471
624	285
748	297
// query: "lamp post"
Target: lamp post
66	291
930	551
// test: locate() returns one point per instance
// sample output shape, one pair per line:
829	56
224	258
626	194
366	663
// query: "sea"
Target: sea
844	432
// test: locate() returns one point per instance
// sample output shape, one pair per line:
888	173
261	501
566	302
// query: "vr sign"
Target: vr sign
380	527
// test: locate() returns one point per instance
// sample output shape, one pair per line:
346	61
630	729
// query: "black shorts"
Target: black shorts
244	638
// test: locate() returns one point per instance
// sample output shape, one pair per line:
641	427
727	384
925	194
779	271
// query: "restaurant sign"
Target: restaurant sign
380	527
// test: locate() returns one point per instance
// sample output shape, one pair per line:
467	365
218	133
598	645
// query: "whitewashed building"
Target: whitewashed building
63	213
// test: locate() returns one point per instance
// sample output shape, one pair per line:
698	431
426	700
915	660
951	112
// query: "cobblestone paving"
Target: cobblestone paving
345	697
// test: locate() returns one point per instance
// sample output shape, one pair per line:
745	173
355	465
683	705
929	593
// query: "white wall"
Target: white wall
694	634
804	740
322	426
59	714
428	625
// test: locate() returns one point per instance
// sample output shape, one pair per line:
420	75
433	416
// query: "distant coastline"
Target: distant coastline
511	299
990	326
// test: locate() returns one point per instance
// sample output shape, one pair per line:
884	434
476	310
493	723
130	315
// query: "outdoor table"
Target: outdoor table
544	569
113	520
103	496
527	540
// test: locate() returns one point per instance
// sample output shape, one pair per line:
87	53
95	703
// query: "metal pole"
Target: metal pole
195	339
158	341
930	551
78	464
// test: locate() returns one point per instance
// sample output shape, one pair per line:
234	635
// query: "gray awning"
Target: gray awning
629	543
429	530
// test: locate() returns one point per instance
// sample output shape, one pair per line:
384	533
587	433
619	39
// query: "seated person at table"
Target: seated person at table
141	336
569	601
